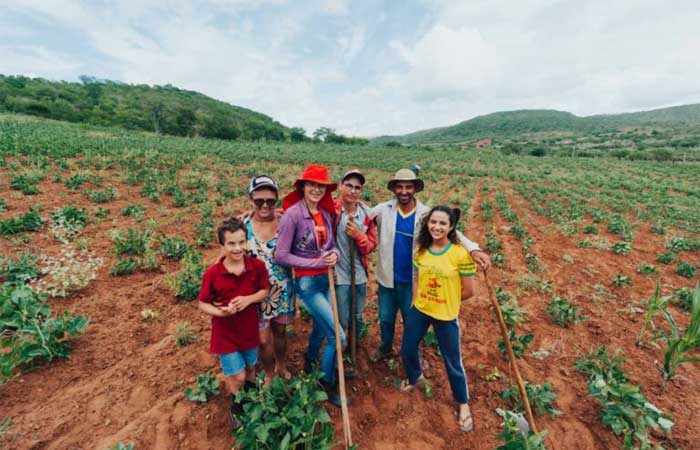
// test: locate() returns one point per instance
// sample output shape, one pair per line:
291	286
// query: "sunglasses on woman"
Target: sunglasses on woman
269	202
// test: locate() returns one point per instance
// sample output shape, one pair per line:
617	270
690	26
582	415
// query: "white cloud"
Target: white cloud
41	60
446	62
350	45
460	59
335	7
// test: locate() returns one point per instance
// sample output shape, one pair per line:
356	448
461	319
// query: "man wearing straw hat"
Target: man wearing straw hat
396	220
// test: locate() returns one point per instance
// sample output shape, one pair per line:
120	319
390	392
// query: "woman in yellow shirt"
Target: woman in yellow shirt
443	278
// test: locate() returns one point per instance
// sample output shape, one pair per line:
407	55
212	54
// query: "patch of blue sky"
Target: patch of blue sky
37	29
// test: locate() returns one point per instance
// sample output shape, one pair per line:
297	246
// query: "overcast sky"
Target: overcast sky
368	67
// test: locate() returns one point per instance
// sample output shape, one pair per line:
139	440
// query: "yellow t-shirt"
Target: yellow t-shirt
440	280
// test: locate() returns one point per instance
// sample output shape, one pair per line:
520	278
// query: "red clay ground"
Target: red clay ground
125	379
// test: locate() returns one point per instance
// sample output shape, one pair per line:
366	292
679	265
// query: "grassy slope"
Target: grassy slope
512	123
164	109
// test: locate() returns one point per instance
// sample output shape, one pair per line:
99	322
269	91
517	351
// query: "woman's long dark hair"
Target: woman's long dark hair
424	237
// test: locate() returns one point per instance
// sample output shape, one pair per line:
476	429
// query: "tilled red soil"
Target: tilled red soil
125	378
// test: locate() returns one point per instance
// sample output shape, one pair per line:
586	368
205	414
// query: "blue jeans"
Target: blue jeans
234	363
392	300
343	293
447	333
314	294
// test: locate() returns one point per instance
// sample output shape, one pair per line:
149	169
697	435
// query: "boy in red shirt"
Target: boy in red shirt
230	290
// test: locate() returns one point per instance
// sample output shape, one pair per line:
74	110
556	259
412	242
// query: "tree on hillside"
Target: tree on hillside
298	134
321	133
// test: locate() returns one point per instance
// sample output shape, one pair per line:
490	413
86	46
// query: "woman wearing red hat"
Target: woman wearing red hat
306	243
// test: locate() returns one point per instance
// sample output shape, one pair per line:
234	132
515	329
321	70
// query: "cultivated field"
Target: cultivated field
579	245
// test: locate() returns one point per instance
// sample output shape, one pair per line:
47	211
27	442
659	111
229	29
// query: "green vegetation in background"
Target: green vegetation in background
159	109
512	123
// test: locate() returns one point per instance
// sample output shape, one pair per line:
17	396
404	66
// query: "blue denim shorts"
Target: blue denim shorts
234	363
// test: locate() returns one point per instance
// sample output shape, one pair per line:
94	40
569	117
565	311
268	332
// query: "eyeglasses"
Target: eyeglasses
269	202
353	187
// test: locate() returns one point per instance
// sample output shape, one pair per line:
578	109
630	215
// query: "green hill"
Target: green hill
513	123
160	109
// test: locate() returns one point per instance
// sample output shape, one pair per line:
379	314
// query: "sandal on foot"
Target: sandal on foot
406	385
465	423
285	374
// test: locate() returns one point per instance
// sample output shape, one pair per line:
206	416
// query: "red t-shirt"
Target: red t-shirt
239	331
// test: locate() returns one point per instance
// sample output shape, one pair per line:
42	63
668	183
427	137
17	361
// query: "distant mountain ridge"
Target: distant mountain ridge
512	123
160	109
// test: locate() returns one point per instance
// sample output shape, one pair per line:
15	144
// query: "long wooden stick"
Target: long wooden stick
511	356
341	370
353	302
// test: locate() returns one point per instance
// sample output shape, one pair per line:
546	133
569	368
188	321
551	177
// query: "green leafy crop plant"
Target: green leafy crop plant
563	313
289	415
624	409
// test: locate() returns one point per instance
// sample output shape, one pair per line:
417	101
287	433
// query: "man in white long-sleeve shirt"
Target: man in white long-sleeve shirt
397	219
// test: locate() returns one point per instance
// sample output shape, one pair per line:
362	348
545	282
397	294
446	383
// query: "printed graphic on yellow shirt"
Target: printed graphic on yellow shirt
432	293
439	284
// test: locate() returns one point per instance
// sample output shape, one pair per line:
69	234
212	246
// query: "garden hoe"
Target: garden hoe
339	355
511	358
353	305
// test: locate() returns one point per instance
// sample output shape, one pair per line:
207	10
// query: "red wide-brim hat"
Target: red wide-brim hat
318	174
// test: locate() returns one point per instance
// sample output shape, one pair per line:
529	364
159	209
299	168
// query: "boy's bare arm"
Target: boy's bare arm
243	301
212	310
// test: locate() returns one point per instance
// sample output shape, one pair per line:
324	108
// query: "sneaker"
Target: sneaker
378	354
349	372
333	395
235	410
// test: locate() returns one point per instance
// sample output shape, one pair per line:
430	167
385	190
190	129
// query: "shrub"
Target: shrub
287	414
25	184
684	297
185	284
520	344
68	273
513	314
205	228
622	248
666	258
133	242
624	409
682	244
75	181
685	269
590	229
20	270
563	313
67	223
31	221
539	396
515	436
125	266
173	247
136	211
657	229
647	269
134	250
103	196
29	333
185	334
622	280
206	387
